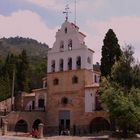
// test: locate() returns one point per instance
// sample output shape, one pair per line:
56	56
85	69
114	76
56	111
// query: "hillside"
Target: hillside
15	45
36	58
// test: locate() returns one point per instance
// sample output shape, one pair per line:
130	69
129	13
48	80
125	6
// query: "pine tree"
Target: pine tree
111	52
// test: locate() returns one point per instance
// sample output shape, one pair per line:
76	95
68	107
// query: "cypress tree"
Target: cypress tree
111	52
22	72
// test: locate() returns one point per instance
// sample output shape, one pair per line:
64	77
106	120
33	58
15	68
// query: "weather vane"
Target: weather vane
67	12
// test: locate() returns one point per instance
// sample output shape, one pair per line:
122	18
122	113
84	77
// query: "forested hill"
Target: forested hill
15	45
29	60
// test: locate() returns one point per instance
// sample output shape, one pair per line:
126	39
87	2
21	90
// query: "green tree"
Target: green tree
22	81
6	76
5	87
120	92
123	108
111	52
126	72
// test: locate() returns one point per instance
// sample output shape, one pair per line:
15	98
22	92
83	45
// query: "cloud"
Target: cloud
89	5
126	29
26	24
48	4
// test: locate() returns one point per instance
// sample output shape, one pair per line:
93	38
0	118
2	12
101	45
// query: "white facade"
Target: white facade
69	44
89	100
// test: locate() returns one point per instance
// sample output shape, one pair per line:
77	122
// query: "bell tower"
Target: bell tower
69	71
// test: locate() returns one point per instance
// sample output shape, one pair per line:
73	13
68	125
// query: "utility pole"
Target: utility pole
13	89
75	13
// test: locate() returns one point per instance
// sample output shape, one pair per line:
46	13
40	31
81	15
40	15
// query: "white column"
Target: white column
41	125
4	131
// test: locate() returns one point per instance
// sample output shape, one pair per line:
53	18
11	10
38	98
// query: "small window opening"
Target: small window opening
70	45
78	62
66	30
95	78
41	103
89	60
61	46
53	66
75	80
61	65
55	81
70	64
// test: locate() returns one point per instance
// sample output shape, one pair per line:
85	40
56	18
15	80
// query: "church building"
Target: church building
69	97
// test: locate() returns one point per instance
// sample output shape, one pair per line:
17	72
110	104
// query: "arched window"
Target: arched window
70	63
78	62
95	78
55	81
70	44
98	105
53	66
61	64
66	30
74	79
62	46
41	103
89	60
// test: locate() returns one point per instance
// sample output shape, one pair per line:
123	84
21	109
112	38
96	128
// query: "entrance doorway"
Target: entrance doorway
99	124
21	126
36	123
64	120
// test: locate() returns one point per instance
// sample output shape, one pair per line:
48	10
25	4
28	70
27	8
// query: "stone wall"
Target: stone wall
75	93
29	117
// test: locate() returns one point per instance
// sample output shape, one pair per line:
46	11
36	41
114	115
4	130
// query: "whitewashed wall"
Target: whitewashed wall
78	49
89	100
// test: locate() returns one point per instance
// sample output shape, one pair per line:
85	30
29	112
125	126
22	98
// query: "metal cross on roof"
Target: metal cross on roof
67	12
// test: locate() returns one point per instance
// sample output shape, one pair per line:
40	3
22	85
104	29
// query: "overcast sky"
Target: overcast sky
40	19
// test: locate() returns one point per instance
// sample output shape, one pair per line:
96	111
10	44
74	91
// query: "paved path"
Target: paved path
15	138
54	138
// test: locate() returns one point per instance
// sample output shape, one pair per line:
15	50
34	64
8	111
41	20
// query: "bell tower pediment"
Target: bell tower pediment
68	38
69	51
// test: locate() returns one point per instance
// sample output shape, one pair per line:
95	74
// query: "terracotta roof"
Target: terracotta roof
82	34
39	89
91	50
29	95
92	85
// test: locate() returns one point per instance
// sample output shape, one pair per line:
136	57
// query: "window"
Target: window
55	81
74	79
70	44
98	102
41	103
64	100
78	62
62	46
95	78
70	63
66	30
53	66
89	60
61	65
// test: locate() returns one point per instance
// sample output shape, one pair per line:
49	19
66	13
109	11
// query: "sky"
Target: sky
40	19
